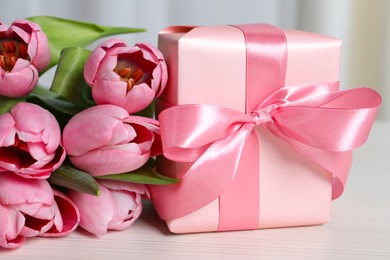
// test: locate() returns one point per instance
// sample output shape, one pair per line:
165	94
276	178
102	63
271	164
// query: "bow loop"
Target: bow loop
189	130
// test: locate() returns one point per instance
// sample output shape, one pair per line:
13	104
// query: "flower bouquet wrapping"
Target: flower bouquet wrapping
77	153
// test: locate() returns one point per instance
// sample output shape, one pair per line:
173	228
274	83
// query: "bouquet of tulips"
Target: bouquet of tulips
79	152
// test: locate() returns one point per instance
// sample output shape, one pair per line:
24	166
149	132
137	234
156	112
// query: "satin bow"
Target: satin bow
319	122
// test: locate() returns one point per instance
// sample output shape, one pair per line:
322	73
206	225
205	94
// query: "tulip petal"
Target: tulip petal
38	44
129	186
117	160
93	63
109	92
10	228
127	209
36	124
7	130
19	83
38	223
44	172
17	190
14	224
38	152
138	98
67	216
106	69
90	130
95	211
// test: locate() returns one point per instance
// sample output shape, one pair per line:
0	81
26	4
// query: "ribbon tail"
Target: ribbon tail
205	180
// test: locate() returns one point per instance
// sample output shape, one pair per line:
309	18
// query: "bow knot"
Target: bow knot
261	116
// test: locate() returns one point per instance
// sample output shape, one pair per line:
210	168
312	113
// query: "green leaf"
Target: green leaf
69	77
64	33
145	175
72	178
43	92
6	104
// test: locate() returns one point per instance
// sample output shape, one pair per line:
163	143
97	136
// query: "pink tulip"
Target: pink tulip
116	208
30	141
129	77
28	208
24	51
104	139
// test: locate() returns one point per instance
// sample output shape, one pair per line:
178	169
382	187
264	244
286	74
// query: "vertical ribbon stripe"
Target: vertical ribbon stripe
266	61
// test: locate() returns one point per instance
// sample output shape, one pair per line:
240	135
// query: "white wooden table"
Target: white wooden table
359	228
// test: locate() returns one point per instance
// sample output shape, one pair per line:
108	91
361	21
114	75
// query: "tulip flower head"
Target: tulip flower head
116	208
129	77
24	52
105	139
30	141
30	207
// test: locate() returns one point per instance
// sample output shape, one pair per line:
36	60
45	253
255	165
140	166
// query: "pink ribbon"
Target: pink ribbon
318	121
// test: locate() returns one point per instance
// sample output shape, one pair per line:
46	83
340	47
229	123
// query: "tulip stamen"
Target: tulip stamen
129	76
10	52
9	47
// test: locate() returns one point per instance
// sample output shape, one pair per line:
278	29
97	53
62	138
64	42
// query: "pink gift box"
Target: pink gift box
207	65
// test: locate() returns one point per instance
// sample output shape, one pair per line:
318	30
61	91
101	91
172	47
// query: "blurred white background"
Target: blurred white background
363	25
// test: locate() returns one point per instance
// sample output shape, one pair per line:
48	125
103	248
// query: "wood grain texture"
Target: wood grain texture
359	228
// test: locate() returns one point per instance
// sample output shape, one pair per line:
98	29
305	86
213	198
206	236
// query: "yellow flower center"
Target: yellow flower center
130	76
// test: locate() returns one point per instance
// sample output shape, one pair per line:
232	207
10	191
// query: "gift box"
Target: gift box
249	173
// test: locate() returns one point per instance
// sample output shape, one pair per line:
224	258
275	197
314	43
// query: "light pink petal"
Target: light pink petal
7	130
16	190
43	172
106	69
160	74
89	130
11	225
126	207
39	218
4	225
36	124
151	49
42	56
38	44
38	152
103	110
128	186
93	63
19	83
139	98
20	65
95	211
37	226
24	35
10	228
109	92
3	27
103	162
67	216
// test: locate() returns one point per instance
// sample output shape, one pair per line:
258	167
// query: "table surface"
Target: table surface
359	228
